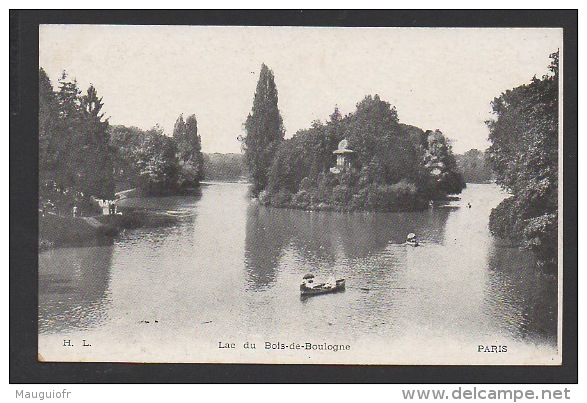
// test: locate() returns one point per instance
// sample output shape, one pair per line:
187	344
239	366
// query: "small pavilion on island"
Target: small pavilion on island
343	157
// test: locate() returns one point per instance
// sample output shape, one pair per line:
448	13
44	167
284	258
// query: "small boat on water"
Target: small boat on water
309	287
412	240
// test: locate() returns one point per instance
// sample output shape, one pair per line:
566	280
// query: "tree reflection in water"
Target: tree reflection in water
529	295
328	240
73	287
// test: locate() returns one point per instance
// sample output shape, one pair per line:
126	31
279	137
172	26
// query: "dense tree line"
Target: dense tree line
225	167
475	167
157	164
394	167
75	157
82	157
524	156
146	160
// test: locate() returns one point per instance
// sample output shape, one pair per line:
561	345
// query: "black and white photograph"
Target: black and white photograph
300	195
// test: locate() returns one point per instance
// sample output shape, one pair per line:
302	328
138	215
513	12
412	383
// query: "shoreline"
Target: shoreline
136	211
315	207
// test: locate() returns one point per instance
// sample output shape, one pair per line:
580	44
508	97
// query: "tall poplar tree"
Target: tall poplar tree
264	130
179	135
194	145
189	149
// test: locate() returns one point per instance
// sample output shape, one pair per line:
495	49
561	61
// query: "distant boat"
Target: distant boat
412	240
308	287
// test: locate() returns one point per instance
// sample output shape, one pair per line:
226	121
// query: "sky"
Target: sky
437	78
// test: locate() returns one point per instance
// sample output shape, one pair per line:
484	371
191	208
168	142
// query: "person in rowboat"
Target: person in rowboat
412	239
308	281
331	282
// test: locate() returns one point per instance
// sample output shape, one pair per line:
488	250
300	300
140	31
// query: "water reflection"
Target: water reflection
329	239
231	271
266	235
73	284
363	234
162	203
525	297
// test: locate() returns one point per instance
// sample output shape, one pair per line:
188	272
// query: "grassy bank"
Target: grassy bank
62	231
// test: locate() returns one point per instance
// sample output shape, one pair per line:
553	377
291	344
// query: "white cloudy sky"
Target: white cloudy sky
437	78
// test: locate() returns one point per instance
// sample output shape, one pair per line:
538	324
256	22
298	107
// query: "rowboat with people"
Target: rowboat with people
310	287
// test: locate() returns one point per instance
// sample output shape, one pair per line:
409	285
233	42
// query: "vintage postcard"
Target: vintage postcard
300	195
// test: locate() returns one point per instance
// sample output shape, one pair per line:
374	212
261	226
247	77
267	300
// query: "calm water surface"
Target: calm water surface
229	271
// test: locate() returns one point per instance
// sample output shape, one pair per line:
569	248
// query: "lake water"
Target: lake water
229	272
